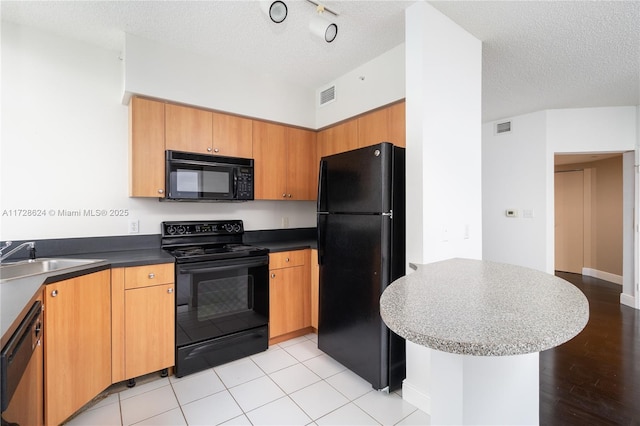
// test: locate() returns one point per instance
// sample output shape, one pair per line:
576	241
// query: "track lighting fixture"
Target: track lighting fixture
322	27
275	10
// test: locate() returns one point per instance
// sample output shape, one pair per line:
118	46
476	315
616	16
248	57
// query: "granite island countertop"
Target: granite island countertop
475	307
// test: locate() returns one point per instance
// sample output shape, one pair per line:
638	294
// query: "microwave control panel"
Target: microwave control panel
244	189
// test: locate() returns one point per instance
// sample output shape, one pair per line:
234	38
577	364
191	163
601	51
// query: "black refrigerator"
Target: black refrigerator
361	250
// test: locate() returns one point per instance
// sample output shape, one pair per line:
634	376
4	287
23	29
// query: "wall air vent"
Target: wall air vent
504	127
328	95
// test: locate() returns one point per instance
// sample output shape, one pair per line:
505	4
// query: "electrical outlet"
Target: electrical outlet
285	222
134	226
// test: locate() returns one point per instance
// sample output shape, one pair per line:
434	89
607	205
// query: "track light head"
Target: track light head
323	28
275	10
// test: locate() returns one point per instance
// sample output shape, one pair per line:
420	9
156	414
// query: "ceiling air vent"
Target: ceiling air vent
504	127
327	95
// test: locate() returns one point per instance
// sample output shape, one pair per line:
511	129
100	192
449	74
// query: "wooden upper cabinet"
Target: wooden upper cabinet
284	159
301	168
188	129
146	148
232	136
398	124
340	138
383	125
270	161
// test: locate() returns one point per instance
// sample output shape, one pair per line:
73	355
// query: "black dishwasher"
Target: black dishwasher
20	371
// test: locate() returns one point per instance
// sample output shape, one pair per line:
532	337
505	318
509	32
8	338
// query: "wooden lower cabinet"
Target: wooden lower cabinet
143	320
315	288
77	343
289	295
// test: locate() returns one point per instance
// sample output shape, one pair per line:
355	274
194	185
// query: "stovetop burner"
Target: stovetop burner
195	241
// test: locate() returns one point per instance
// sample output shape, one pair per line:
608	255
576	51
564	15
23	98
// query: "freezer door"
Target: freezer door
357	181
353	273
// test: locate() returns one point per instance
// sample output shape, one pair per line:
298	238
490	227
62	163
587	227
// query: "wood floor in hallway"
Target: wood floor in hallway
594	379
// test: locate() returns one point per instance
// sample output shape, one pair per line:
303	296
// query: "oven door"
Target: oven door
222	311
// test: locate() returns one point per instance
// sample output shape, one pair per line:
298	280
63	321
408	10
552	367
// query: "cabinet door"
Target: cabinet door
315	288
270	161
398	124
384	125
146	148
77	343
373	128
232	136
340	138
149	329
336	139
188	129
301	155
286	300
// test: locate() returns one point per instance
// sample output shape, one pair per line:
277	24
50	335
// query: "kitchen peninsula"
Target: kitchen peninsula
474	330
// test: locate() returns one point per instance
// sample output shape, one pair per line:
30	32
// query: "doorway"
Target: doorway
589	215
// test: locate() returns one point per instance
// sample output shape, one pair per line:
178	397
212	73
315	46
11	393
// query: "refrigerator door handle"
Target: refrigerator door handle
389	213
322	186
322	217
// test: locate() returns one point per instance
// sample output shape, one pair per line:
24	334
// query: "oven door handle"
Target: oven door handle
203	270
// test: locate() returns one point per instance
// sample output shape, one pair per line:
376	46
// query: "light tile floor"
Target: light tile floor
292	383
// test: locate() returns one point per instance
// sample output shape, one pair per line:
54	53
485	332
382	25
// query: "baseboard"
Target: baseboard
627	299
416	397
612	278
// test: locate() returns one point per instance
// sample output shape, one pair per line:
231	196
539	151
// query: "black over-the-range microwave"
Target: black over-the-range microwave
201	177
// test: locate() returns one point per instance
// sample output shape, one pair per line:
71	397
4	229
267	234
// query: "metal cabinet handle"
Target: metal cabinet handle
54	293
289	195
152	276
284	195
170	290
216	150
273	275
287	260
160	191
208	149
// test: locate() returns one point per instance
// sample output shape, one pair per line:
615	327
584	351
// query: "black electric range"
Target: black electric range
222	293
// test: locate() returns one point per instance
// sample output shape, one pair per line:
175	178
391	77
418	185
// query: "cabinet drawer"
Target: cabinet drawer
287	259
148	275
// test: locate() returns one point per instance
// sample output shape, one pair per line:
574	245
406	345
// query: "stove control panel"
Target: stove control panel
212	227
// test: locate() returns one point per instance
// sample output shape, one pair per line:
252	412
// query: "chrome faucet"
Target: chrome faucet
30	244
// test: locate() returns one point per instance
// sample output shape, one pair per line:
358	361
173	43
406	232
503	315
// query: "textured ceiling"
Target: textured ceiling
536	55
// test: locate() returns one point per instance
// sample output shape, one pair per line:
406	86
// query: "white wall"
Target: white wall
375	83
443	104
514	177
444	192
64	146
634	291
165	72
629	230
518	173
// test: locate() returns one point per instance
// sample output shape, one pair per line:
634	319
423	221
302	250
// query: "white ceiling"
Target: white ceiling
536	55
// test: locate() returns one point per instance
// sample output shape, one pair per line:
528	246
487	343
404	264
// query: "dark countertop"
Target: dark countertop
119	252
126	258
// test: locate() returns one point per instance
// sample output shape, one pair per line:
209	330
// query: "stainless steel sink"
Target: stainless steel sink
27	268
